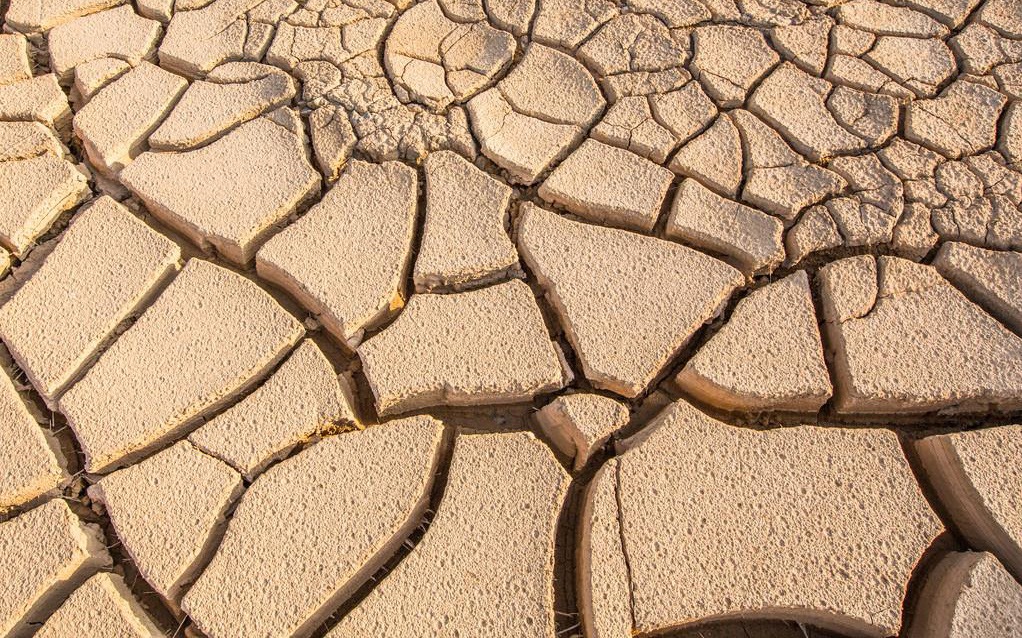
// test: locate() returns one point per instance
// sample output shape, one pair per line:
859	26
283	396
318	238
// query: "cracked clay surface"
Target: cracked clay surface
511	318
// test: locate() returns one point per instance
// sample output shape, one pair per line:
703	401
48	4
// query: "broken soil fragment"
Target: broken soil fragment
45	554
609	185
220	330
31	465
579	424
263	176
973	476
313	528
347	258
768	356
487	346
778	554
464	239
484	566
167	511
940	350
303	398
628	303
58	320
103	606
968	595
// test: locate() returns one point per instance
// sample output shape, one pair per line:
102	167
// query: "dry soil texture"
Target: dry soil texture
511	318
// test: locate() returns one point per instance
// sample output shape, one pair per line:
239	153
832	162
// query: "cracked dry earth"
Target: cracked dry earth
511	318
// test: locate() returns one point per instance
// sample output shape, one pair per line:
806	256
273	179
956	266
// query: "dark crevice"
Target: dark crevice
939	549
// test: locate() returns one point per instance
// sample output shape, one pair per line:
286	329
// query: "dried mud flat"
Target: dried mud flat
511	318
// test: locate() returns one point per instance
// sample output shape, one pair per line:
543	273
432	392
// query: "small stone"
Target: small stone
609	185
310	539
36	192
768	356
706	220
57	321
628	303
217	331
231	94
939	350
501	352
45	554
347	258
262	176
972	474
103	606
117	121
483	568
116	33
580	424
169	511
302	399
973	108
